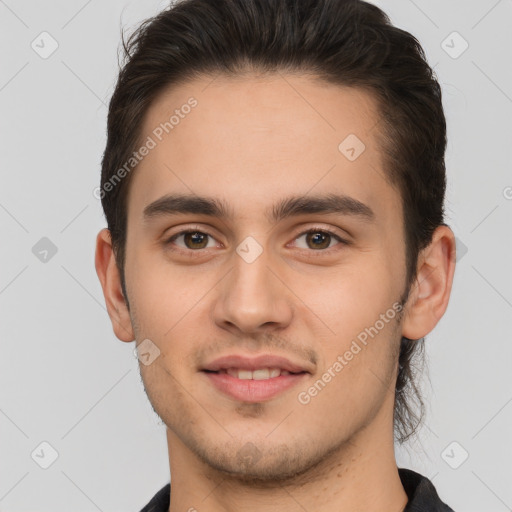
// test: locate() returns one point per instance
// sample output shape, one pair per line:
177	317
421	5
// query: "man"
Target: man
273	183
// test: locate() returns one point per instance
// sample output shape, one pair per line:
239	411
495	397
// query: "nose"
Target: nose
253	297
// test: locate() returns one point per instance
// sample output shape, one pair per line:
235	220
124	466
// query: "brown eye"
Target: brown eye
191	240
195	240
317	240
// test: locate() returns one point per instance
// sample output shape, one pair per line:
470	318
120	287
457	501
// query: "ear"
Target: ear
431	289
108	274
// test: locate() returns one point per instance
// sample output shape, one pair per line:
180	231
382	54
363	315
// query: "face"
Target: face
293	262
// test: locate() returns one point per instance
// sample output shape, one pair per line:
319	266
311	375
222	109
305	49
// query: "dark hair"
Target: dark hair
345	42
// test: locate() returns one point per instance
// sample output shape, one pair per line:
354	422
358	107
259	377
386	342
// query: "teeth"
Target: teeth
259	374
244	374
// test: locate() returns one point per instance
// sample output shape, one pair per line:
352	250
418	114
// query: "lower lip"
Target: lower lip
251	390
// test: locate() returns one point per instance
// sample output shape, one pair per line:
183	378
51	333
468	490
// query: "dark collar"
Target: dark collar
421	492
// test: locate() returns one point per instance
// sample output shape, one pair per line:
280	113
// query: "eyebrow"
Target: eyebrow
175	204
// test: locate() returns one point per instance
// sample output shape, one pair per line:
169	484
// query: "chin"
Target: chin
270	466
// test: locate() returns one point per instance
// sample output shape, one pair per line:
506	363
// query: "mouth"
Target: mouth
254	380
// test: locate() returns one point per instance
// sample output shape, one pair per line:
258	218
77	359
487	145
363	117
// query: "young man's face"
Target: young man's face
254	283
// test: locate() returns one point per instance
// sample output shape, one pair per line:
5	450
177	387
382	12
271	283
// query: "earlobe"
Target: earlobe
431	290
110	280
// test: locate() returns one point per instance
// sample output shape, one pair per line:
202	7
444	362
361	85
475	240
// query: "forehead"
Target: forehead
252	139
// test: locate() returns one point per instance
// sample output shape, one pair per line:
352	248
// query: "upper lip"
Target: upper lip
254	363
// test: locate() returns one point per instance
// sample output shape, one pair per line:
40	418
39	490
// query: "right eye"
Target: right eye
191	239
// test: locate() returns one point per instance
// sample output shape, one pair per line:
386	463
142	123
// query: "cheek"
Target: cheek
350	297
352	383
362	312
162	294
361	309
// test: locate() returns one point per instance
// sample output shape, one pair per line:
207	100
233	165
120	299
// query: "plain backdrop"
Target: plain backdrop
67	382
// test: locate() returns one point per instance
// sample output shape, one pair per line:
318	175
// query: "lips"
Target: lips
254	379
239	362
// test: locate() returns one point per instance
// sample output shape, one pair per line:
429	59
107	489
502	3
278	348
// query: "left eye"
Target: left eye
317	239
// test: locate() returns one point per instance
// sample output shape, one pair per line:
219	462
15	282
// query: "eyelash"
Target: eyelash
317	252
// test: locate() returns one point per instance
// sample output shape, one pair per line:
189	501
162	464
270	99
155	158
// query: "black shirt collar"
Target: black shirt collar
421	492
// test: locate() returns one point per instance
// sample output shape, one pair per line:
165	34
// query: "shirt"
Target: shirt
421	492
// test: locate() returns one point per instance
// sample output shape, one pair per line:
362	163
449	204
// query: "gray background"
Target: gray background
64	377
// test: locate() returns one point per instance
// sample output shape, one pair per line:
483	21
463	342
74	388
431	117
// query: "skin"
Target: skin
252	141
